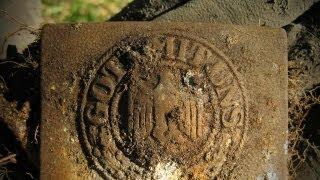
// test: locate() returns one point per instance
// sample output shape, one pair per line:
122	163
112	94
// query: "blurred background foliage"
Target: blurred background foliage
55	11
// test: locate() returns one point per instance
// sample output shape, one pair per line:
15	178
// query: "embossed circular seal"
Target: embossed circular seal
164	99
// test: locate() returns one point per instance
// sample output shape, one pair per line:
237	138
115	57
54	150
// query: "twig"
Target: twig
8	159
15	20
314	89
4	173
30	175
23	26
5	147
13	62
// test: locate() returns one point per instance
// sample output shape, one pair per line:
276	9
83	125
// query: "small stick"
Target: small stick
7	159
13	62
15	20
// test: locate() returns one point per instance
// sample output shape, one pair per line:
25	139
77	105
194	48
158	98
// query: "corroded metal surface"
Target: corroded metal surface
151	100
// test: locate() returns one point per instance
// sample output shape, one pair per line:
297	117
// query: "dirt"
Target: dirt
304	73
20	111
146	10
273	13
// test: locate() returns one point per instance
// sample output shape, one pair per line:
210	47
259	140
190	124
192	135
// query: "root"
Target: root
300	148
